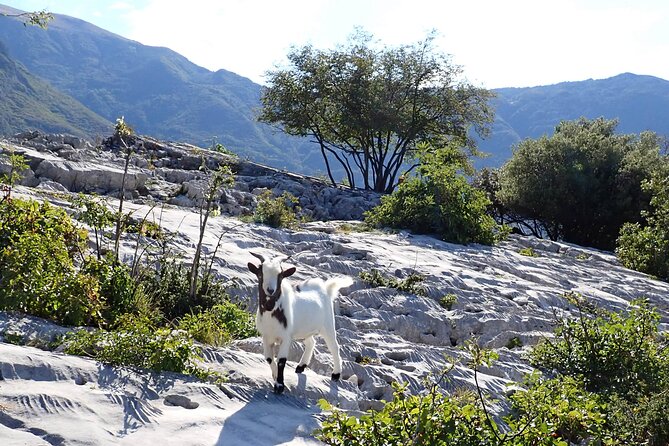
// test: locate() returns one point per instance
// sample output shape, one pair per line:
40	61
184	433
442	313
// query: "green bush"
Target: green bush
440	201
277	212
137	343
409	419
410	284
448	300
624	359
118	289
219	325
37	274
545	412
168	286
612	353
646	248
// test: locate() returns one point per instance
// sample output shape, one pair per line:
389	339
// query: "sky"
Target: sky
498	43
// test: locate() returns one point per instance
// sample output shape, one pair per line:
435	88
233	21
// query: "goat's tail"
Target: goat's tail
333	285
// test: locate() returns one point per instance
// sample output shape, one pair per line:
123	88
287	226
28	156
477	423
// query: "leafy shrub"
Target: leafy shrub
168	287
137	343
440	201
610	352
409	419
528	252
545	412
448	300
624	359
118	289
37	275
95	212
409	284
219	324
277	212
514	342
646	248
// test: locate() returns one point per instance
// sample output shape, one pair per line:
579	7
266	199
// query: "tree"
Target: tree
583	182
369	107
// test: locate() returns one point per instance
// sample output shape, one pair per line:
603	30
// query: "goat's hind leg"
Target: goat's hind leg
333	346
309	344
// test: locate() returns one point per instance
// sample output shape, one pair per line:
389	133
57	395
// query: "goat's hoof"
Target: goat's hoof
300	368
336	376
278	388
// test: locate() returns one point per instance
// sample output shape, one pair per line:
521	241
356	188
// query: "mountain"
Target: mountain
28	103
163	94
159	92
639	102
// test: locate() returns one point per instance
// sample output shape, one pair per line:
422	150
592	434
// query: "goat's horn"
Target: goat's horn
258	256
287	258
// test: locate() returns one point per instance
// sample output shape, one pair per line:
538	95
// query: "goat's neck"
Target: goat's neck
265	302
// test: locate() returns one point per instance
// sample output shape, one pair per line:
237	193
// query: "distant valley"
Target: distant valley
78	78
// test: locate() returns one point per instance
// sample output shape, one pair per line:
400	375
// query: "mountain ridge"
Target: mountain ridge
163	94
159	91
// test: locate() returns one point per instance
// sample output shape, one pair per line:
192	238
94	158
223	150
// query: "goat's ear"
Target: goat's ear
288	272
254	269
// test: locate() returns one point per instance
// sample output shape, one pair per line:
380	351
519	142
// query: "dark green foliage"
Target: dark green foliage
624	359
37	274
612	353
118	290
583	182
545	412
514	342
410	284
369	107
168	287
646	248
440	201
277	212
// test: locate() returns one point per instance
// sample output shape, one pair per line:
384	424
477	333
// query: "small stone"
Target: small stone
181	401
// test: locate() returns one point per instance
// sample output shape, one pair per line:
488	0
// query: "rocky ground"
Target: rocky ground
386	335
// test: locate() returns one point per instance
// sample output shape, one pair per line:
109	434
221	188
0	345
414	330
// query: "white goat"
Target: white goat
287	313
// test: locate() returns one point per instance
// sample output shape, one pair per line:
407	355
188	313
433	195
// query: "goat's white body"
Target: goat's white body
308	312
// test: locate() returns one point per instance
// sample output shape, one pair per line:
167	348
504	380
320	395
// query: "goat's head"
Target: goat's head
270	274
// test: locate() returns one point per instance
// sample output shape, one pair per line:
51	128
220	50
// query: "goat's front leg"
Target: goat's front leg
284	348
268	351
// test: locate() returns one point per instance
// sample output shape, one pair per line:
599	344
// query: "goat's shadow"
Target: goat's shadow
268	419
